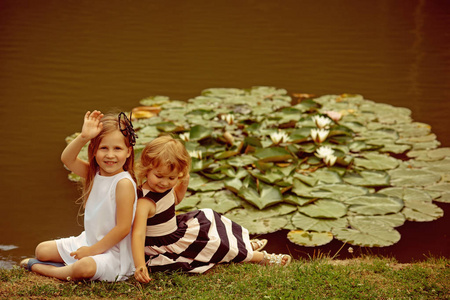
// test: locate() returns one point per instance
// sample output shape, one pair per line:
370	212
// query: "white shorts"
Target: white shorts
108	263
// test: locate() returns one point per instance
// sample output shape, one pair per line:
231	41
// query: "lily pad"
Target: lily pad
309	238
324	209
421	211
376	161
305	222
413	177
374	204
266	196
367	233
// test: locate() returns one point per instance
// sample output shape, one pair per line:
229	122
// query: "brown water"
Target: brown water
61	58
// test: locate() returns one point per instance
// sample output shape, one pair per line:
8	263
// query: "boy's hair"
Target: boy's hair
110	123
163	150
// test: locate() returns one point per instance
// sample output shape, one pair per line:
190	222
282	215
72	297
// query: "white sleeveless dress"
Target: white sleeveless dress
100	217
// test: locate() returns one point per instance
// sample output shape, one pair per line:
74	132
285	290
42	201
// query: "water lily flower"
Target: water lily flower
195	154
279	137
185	136
229	118
330	160
319	135
334	115
321	121
324	151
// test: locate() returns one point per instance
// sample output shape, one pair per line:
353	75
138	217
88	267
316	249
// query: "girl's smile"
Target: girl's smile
112	154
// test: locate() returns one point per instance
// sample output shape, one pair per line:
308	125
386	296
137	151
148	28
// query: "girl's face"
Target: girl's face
161	179
112	153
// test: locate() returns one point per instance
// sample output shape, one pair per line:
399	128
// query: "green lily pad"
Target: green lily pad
337	191
274	154
220	202
367	233
324	208
367	178
266	196
413	177
309	238
374	204
307	223
421	211
257	226
407	194
376	161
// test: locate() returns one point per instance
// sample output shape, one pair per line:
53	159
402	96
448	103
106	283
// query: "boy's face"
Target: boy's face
161	179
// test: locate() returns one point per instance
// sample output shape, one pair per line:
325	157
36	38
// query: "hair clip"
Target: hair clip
128	131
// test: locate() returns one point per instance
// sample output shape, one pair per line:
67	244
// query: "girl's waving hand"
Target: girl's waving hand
92	125
91	128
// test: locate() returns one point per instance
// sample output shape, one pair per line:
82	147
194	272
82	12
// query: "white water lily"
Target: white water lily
319	135
279	137
330	160
195	154
229	118
321	121
185	136
324	151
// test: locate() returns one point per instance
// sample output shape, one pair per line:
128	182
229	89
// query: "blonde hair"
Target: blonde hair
163	150
110	124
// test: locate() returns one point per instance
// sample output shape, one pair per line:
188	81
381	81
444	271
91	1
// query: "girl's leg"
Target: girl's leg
84	268
48	251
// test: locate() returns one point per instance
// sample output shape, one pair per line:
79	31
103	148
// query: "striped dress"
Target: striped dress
193	242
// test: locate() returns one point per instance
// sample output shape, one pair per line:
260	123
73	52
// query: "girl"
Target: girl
103	250
193	241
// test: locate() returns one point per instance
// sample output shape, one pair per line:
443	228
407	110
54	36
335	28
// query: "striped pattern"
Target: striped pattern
202	238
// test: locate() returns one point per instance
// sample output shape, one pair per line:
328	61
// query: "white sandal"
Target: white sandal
275	259
260	244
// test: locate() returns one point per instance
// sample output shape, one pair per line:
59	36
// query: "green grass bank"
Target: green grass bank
363	278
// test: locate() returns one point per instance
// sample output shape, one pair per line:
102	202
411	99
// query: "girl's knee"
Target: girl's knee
85	268
47	251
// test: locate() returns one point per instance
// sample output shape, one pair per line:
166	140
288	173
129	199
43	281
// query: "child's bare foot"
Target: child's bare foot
275	259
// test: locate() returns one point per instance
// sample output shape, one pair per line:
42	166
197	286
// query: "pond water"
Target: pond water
61	58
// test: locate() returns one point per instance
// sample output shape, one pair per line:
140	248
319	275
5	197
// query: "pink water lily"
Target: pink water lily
334	115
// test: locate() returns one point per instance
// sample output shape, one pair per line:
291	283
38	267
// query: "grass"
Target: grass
363	278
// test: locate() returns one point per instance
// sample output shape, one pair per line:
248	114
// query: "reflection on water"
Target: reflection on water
61	58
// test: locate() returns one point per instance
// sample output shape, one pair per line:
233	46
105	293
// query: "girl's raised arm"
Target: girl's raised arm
91	128
181	188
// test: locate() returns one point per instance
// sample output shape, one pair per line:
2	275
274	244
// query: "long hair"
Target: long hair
110	123
163	150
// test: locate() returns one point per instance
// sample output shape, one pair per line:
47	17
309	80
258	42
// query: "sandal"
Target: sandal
258	245
275	259
27	263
